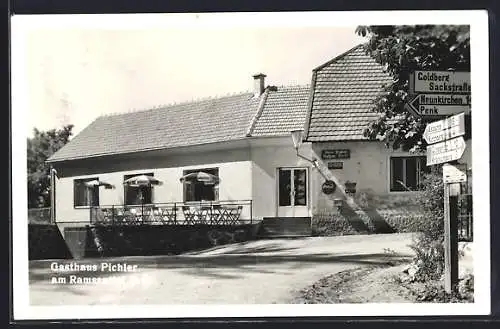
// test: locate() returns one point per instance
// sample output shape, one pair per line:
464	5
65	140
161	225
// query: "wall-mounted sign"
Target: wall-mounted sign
335	165
328	187
335	154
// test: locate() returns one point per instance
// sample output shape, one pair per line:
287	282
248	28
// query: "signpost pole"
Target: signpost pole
450	237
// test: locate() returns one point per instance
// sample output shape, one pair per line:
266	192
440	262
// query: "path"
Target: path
262	272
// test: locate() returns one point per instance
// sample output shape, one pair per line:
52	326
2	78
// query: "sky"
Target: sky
76	74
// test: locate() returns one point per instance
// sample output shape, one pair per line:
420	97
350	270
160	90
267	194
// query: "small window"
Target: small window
83	195
200	191
135	195
407	172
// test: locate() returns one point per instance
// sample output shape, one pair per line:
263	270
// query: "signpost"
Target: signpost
438	94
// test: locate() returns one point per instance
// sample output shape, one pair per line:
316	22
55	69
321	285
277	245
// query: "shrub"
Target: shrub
428	244
328	224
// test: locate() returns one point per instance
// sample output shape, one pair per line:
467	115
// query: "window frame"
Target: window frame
126	187
418	169
215	187
96	192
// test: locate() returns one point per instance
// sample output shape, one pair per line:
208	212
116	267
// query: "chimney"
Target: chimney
259	83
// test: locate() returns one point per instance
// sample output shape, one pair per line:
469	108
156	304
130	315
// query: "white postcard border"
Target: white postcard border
480	144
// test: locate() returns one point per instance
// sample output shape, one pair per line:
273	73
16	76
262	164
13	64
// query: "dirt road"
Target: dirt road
256	272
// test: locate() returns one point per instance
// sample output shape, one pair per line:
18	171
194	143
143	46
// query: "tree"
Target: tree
401	50
40	147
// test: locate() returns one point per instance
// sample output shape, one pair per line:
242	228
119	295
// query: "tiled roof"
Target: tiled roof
284	110
343	93
194	123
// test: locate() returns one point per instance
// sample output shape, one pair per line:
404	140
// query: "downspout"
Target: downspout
53	175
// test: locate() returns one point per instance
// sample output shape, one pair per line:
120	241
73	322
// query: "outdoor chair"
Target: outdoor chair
189	215
217	214
104	215
168	215
234	214
204	213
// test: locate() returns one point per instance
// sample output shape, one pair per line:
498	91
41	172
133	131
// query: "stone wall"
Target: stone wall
46	242
112	241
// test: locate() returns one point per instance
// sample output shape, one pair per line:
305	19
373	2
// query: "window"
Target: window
83	195
199	191
135	195
406	173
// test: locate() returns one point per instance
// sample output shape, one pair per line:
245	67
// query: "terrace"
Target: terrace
231	212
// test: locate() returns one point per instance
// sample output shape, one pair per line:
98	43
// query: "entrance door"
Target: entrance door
293	192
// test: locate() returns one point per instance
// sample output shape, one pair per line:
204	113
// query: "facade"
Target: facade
244	141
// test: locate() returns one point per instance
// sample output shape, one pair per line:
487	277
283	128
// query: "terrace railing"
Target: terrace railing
233	212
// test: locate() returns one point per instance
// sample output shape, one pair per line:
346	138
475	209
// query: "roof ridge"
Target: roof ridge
292	86
172	104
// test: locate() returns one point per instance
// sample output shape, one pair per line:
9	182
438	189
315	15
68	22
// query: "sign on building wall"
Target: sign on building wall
329	187
335	165
335	154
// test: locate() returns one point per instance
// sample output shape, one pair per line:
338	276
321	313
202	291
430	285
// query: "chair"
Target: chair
217	214
204	213
104	215
189	215
234	214
168	215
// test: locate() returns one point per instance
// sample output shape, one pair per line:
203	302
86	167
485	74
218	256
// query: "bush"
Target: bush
428	244
434	293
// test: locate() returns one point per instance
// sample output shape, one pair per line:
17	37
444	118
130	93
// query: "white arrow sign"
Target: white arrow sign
441	130
454	174
442	82
446	151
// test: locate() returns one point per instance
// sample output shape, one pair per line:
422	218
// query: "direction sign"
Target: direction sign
439	110
443	105
441	130
441	99
446	151
453	174
441	82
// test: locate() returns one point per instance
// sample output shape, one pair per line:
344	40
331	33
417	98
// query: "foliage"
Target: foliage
428	244
433	292
40	147
401	50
